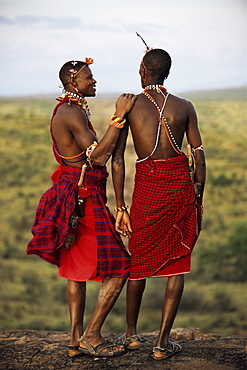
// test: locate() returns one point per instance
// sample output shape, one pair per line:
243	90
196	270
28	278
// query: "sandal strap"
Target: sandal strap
162	350
175	348
105	345
73	347
89	347
97	349
121	340
133	338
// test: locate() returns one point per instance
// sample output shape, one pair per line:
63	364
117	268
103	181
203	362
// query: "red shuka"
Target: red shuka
164	216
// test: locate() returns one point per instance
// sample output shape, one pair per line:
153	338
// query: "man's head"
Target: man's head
76	76
155	67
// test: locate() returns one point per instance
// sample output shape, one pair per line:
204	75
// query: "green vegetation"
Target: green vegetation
34	297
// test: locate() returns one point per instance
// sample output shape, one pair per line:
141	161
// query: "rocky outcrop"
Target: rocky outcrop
44	350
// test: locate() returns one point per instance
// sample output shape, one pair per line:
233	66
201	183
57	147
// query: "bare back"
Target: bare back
144	119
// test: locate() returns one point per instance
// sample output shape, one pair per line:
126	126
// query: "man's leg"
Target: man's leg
76	292
108	294
173	294
135	289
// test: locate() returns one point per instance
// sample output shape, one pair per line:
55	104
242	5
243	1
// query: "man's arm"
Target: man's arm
118	178
107	144
76	134
194	138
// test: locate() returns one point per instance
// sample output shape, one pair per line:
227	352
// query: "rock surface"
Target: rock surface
45	350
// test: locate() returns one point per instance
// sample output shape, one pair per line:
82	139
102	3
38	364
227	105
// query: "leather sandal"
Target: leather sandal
123	341
170	350
74	351
98	351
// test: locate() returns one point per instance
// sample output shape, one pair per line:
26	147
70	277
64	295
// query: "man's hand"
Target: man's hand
122	225
69	240
124	104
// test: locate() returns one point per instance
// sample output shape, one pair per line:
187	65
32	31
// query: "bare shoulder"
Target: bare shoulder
68	108
140	101
182	102
69	113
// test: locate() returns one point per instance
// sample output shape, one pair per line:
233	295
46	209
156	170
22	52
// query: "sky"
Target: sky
205	38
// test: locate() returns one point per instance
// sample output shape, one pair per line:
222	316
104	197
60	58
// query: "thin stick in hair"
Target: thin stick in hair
143	41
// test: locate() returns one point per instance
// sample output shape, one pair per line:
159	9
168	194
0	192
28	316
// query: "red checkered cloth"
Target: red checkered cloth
164	217
53	214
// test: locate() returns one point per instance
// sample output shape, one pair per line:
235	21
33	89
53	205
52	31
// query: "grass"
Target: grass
33	296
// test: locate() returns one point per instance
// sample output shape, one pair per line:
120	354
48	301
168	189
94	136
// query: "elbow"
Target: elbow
99	160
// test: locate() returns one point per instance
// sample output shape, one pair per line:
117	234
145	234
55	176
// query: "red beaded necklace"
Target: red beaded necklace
80	101
158	88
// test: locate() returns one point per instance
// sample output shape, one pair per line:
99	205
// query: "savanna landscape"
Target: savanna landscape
33	297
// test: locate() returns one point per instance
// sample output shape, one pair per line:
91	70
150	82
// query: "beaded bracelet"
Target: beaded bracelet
117	122
91	148
121	209
198	148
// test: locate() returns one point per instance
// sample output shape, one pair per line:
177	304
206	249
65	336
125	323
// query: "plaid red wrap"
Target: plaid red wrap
164	217
53	214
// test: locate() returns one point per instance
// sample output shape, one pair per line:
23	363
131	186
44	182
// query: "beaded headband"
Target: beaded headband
74	72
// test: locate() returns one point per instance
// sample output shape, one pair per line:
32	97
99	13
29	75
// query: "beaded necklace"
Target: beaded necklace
81	102
156	87
170	136
76	99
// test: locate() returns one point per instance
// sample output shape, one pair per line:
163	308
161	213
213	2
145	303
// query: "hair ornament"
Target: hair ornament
73	72
74	62
89	61
148	47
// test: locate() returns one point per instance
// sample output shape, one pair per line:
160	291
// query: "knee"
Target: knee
137	285
113	286
75	287
119	283
176	283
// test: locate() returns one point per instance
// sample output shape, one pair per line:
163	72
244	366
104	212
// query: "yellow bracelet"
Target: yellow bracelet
121	209
117	122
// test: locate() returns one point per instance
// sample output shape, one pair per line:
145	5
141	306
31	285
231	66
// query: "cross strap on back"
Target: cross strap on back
163	120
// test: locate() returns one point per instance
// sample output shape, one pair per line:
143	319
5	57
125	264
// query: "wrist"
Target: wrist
117	121
119	113
121	208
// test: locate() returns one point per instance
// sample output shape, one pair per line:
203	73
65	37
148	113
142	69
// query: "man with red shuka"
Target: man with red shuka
166	209
74	228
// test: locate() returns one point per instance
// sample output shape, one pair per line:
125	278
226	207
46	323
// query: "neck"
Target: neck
157	87
76	95
70	89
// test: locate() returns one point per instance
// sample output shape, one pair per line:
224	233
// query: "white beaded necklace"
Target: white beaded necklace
77	96
161	115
